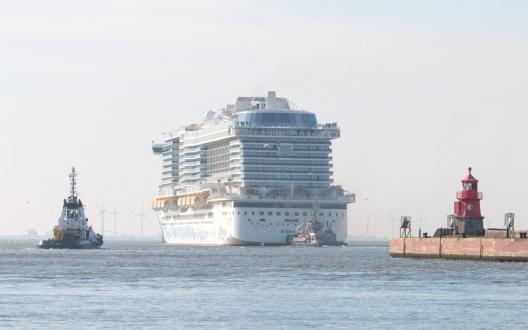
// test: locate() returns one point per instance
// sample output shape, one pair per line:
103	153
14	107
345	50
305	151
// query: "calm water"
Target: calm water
148	285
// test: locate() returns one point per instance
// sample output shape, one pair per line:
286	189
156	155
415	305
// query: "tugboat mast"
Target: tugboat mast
73	184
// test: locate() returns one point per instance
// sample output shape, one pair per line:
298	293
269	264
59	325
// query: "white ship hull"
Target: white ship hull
242	225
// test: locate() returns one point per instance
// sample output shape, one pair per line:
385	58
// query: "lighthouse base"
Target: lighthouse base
469	226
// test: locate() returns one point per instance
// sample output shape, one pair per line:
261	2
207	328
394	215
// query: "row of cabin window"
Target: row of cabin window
287	213
287	222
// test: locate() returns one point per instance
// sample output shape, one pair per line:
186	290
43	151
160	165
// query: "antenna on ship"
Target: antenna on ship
73	184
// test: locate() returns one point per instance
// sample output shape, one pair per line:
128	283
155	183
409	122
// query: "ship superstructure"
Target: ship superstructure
250	173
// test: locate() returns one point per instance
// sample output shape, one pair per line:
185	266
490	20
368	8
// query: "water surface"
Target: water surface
147	285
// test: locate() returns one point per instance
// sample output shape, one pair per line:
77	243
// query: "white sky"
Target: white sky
421	90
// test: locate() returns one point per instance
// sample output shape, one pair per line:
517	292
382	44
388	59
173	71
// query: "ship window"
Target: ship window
337	214
320	214
329	214
253	213
262	220
261	212
277	119
238	212
305	214
286	213
270	213
296	213
277	213
245	212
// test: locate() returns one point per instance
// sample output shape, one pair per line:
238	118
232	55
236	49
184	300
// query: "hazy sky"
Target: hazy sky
421	89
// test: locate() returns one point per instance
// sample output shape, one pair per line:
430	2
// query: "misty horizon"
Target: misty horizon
421	91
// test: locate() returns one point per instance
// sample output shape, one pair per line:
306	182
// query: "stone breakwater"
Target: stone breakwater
477	248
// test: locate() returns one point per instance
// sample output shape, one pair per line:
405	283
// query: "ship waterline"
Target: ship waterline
250	174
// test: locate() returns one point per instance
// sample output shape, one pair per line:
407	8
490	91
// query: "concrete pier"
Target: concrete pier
475	248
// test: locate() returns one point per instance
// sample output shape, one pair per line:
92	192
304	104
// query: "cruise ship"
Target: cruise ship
249	174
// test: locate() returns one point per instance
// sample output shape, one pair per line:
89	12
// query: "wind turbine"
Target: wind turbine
115	220
142	217
368	222
102	212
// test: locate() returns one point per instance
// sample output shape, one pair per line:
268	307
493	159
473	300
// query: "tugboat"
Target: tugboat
73	231
314	233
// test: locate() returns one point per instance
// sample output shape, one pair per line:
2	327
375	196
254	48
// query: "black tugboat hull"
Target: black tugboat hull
69	244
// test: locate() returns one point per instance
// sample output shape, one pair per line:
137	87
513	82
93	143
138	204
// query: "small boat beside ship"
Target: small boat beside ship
73	231
314	233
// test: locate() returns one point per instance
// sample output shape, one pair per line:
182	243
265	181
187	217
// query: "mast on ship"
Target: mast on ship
73	183
73	200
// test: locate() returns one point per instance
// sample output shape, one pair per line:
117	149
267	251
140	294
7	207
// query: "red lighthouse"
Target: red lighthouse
468	220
